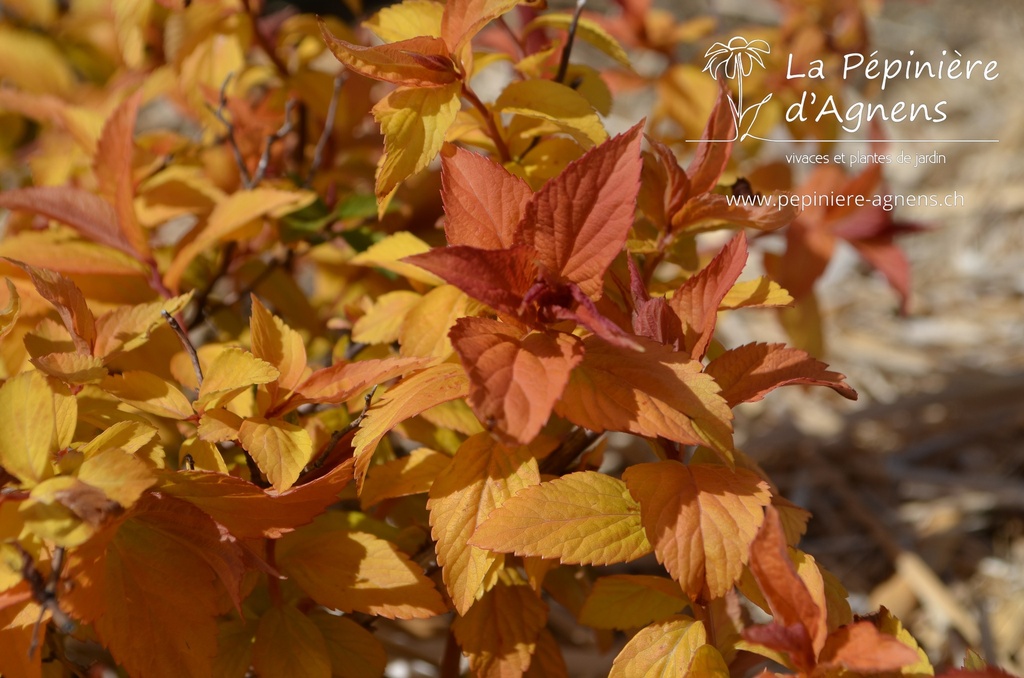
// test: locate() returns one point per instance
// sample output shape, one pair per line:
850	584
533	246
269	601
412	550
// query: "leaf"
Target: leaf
586	29
661	649
280	449
9	313
412	474
121	476
696	302
749	372
113	168
127	327
483	202
354	651
83	211
701	519
414	122
799	625
514	379
424	333
712	154
247	511
355	571
579	220
547	659
481	477
655	393
555	103
129	582
72	368
343	381
276	343
382	324
127	436
582	518
412	396
390	254
464	18
758	292
862	648
407	20
422	62
625	601
498	278
149	393
288	643
27	423
69	302
499	633
228	218
230	373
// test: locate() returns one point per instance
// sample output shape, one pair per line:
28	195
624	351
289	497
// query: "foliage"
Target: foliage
253	400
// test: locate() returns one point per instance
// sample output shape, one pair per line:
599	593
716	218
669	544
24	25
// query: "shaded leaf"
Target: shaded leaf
83	211
69	302
412	474
353	650
554	103
498	278
499	633
625	601
288	643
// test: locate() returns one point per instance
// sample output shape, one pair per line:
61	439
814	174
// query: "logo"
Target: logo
736	61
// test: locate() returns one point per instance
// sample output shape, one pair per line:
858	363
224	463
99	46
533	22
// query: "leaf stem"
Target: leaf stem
325	135
492	126
187	343
563	64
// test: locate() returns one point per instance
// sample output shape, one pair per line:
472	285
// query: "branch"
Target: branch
563	65
342	432
272	138
492	127
230	127
325	135
558	461
45	592
204	294
187	343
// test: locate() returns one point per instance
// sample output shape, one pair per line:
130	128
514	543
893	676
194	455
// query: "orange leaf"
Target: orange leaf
625	601
586	518
356	571
481	477
418	62
696	301
799	626
547	659
343	381
412	396
712	156
514	380
277	344
412	474
247	511
113	168
69	302
483	202
129	582
655	393
353	650
288	643
463	19
701	519
499	633
749	372
83	211
862	648
579	220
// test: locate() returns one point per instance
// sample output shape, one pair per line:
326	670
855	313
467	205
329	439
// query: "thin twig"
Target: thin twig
492	127
272	265
187	343
272	138
203	296
230	127
563	65
558	461
44	593
325	135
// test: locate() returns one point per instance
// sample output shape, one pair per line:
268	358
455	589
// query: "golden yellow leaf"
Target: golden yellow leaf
128	327
481	477
356	571
586	29
412	474
586	518
499	633
205	455
276	343
407	20
219	426
73	368
230	373
48	512
128	436
414	121
389	252
424	333
288	643
382	324
119	475
64	250
757	292
664	648
9	313
412	396
701	519
280	449
555	103
32	62
624	601
27	427
149	393
228	218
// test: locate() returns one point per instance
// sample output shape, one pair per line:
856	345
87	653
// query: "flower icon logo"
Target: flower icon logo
735	60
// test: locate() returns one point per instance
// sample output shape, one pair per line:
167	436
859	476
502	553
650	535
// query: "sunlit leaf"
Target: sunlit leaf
280	449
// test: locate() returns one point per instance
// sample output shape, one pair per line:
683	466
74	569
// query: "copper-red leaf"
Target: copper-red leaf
499	278
483	202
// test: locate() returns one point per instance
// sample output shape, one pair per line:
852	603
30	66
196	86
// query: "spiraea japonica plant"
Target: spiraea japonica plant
255	401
